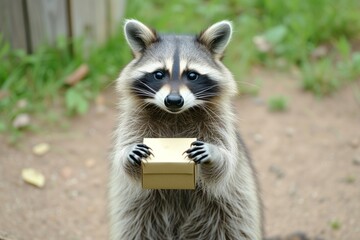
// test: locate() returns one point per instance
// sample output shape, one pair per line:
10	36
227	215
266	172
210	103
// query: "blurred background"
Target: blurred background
297	64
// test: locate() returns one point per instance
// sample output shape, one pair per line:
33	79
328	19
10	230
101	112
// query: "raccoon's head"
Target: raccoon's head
177	72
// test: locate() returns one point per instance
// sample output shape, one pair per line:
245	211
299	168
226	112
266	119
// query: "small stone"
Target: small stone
289	131
356	160
258	101
21	121
33	177
277	171
66	172
314	195
90	163
354	143
293	190
72	182
73	193
41	149
258	138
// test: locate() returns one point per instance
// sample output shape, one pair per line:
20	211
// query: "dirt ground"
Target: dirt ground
307	159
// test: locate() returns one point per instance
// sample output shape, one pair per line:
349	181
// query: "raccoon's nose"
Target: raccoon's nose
174	101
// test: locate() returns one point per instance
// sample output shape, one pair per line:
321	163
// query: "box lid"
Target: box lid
168	156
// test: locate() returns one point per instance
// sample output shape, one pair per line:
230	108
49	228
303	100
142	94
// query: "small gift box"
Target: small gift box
168	168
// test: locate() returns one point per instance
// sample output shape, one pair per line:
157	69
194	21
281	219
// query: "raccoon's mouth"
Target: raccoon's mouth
174	103
174	110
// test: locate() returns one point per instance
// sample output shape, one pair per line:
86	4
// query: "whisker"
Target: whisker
206	89
143	92
150	88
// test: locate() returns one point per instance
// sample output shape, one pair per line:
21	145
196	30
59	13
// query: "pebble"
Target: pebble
258	138
66	172
21	120
41	148
277	171
258	101
354	143
356	160
73	193
33	177
90	163
289	131
72	182
293	190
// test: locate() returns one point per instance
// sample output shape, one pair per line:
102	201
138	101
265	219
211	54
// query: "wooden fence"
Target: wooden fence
28	24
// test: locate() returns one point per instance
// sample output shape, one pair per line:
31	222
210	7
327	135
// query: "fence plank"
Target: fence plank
12	23
47	20
89	21
116	11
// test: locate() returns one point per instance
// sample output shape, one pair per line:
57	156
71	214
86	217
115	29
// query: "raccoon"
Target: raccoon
177	86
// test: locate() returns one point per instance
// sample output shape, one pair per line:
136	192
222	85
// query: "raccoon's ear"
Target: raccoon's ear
138	36
216	37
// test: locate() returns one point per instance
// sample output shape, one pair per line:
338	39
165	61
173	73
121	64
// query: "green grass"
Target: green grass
38	79
278	103
335	224
292	31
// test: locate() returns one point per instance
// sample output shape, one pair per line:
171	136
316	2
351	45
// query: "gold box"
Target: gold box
168	168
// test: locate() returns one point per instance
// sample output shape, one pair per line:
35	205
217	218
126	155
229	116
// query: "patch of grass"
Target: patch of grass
39	79
320	77
278	103
335	224
349	179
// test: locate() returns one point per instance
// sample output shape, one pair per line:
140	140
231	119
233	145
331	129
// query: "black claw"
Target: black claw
139	153
193	149
143	146
197	143
201	158
134	159
196	153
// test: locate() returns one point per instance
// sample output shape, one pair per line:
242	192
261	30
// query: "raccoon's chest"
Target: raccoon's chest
170	209
190	124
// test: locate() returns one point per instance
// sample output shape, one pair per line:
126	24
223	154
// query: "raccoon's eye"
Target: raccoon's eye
159	75
192	76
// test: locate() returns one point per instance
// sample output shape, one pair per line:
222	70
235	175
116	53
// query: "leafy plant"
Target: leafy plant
39	79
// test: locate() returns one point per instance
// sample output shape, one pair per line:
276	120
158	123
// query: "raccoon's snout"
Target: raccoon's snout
174	101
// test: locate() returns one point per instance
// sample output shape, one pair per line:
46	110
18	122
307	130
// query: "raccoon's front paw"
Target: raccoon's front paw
199	152
138	153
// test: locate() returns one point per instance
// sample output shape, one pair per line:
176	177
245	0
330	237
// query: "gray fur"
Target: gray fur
225	203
